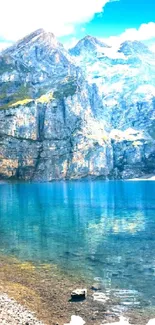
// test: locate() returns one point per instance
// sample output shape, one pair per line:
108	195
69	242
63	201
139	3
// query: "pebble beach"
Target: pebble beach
15	314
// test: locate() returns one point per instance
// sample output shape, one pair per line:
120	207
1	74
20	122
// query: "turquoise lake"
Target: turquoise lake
104	231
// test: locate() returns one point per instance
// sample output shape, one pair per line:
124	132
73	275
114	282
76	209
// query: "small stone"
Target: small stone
96	287
79	294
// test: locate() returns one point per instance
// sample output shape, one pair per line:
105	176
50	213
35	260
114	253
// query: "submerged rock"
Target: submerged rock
100	297
122	321
96	287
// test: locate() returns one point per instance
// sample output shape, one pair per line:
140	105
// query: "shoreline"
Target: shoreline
14	313
150	177
44	293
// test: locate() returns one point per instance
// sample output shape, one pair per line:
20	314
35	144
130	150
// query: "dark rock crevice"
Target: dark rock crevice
62	102
41	110
37	162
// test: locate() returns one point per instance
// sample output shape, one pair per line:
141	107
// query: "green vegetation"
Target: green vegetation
22	94
23	98
6	86
45	98
105	138
22	102
6	65
12	94
67	88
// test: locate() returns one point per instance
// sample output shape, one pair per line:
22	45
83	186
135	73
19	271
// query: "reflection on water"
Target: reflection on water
103	230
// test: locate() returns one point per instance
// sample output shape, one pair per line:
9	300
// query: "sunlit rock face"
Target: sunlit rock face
124	79
89	112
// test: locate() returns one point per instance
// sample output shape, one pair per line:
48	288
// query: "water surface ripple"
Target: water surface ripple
104	231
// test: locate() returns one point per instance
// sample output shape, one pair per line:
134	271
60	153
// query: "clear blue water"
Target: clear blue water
97	229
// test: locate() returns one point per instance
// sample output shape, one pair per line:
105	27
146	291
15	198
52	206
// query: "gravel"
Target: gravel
13	313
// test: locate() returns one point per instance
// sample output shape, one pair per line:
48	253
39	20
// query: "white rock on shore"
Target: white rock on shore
76	320
151	322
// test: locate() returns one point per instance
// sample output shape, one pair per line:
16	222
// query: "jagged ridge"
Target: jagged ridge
86	113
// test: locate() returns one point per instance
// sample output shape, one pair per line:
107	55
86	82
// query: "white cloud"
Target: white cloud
20	17
4	45
144	32
152	47
72	41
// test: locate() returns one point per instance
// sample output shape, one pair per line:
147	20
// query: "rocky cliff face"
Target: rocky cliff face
87	113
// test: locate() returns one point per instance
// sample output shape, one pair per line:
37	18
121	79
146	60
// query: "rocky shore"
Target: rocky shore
15	314
40	294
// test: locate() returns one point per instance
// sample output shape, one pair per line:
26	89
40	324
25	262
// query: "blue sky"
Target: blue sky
117	17
120	15
71	20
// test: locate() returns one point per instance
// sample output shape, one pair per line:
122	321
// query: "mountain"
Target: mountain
32	66
88	44
87	112
133	48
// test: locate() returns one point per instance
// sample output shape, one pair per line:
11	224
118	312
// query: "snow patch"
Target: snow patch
152	178
146	90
